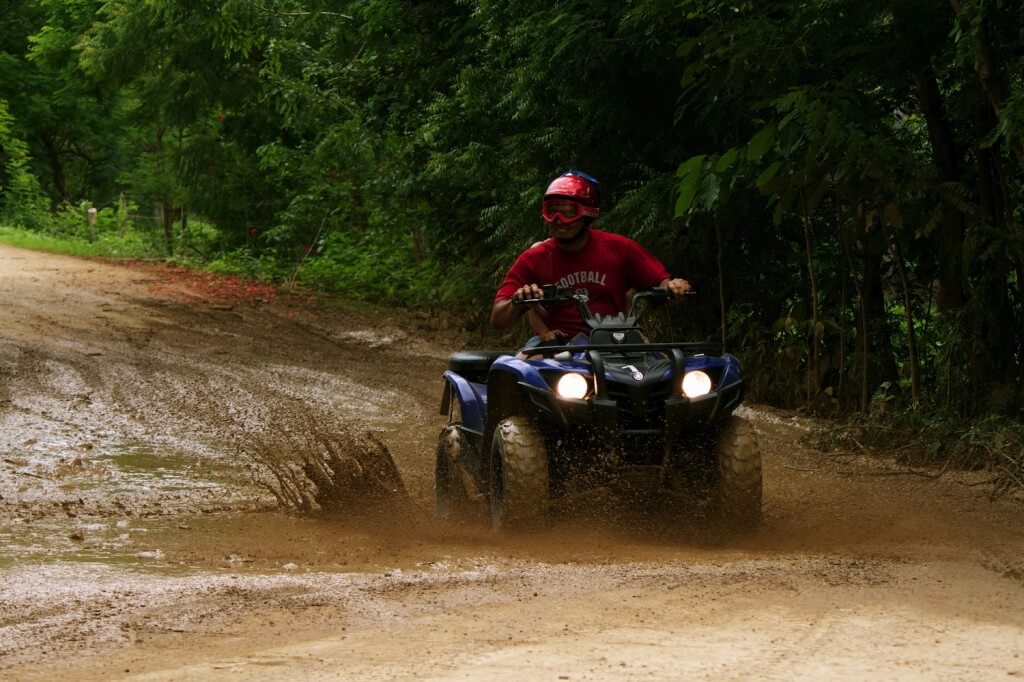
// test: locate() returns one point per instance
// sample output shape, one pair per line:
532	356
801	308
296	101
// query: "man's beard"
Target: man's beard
569	241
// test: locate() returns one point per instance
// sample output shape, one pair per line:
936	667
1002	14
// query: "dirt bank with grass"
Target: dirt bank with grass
134	542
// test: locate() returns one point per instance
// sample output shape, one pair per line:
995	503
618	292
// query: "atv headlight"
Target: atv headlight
571	385
696	384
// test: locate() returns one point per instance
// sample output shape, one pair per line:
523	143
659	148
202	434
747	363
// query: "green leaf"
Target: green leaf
686	47
709	190
691	165
689	173
767	174
726	160
690	73
760	143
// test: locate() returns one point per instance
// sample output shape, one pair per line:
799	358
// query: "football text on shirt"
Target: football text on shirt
582	277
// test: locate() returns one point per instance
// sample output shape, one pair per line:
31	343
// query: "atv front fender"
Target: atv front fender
472	400
514	385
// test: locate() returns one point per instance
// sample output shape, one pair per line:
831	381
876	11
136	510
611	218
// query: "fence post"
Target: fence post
91	217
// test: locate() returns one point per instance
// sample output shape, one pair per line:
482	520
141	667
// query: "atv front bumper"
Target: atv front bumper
665	416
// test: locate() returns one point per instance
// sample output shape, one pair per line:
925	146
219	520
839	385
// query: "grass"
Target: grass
132	245
370	270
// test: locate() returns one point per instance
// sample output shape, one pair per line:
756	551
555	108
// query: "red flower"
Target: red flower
253	232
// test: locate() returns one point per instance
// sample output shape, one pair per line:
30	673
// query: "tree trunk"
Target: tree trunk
949	240
986	65
169	228
813	376
863	319
878	337
844	294
897	256
721	280
996	323
992	190
60	186
186	236
165	216
841	381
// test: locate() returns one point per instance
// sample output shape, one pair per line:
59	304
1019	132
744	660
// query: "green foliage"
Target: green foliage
352	263
849	173
21	199
245	263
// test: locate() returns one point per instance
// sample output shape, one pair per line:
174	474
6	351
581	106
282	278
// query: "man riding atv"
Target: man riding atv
527	431
603	264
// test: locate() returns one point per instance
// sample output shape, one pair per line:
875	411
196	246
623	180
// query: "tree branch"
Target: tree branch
986	67
305	14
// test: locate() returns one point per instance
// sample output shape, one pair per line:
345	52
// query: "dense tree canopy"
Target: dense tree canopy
840	179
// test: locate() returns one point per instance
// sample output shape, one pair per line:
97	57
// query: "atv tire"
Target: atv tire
450	497
518	476
736	499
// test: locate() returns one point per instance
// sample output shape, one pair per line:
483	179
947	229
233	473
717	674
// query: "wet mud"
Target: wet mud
137	540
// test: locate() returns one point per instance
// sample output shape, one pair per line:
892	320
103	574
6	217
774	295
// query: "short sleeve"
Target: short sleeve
644	269
518	275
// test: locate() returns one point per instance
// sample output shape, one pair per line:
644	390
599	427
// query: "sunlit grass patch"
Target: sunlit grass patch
105	245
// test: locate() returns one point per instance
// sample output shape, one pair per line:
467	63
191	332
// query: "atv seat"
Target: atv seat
474	364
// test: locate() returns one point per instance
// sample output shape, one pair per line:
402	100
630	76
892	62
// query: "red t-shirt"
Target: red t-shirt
608	266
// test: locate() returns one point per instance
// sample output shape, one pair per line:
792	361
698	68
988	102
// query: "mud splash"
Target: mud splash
313	466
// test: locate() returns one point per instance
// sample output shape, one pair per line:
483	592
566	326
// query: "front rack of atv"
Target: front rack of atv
676	351
690	346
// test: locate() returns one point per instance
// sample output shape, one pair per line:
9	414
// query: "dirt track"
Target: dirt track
133	543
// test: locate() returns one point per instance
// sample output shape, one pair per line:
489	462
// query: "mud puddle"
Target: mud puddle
101	506
132	476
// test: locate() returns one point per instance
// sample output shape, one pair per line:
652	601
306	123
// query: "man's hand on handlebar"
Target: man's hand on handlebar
677	287
527	292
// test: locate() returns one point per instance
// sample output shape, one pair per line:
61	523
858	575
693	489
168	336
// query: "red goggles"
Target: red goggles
567	210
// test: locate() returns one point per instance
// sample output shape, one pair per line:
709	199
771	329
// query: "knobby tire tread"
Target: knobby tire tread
458	507
525	468
740	477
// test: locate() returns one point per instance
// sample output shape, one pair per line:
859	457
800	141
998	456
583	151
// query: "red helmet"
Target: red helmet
581	191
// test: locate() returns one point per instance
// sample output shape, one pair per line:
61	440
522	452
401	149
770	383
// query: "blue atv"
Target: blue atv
524	433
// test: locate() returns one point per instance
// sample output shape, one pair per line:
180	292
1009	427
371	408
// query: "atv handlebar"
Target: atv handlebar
553	293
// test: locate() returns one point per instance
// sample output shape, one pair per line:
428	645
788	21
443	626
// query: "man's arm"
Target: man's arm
643	261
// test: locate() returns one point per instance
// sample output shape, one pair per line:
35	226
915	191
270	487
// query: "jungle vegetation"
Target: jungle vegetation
841	180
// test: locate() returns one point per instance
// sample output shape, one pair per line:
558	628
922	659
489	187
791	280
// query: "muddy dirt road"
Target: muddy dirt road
133	542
